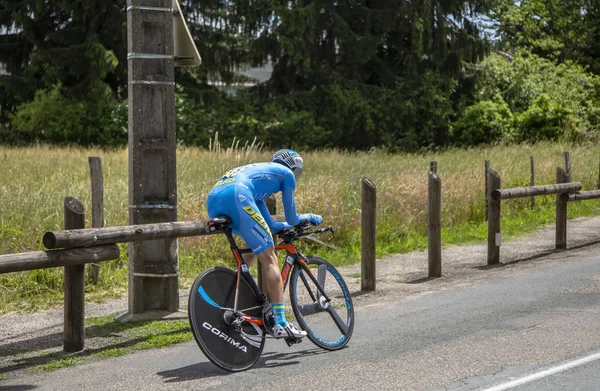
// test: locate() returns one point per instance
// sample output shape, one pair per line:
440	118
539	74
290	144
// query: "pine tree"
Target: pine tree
78	44
372	42
371	55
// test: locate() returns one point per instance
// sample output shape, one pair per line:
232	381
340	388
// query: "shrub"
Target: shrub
545	120
483	123
530	84
55	119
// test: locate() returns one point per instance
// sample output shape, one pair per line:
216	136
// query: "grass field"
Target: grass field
34	181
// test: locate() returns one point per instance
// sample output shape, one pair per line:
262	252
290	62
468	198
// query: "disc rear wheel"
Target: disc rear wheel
210	302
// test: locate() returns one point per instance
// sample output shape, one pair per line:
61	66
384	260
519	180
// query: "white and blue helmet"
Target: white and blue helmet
290	159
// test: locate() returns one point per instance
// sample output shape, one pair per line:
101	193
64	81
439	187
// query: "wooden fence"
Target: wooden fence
80	246
565	191
73	261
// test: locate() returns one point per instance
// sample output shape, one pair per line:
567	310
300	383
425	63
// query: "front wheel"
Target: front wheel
329	324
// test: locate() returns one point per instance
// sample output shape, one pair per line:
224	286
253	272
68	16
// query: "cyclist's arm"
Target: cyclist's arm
289	204
287	196
274	226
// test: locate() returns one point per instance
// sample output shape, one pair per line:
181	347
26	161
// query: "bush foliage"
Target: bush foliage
528	99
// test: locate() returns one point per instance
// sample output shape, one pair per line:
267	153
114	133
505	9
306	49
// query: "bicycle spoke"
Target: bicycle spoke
307	285
321	274
338	320
310	309
244	310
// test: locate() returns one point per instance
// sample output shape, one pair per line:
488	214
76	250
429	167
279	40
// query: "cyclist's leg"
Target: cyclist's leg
250	223
220	203
271	274
249	258
255	231
272	277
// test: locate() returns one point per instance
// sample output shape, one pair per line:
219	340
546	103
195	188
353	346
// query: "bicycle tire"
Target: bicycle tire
328	325
211	294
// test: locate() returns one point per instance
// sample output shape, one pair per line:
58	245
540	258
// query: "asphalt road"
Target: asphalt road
535	330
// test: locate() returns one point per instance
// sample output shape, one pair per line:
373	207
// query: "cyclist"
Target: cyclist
240	194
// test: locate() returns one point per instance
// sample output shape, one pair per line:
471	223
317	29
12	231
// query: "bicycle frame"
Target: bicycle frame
292	257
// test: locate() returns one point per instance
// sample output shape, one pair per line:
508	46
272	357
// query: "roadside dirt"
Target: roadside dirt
399	277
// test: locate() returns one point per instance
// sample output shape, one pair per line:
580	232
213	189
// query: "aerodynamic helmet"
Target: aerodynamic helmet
290	159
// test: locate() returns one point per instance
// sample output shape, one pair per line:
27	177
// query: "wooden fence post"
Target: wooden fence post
568	163
485	175
561	209
434	209
433	167
532	179
74	285
493	209
95	163
368	229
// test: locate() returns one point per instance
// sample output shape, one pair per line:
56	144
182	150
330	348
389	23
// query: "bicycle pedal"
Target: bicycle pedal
292	341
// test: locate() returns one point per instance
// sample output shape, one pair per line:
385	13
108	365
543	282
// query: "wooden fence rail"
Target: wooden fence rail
10	263
129	233
582	196
520	192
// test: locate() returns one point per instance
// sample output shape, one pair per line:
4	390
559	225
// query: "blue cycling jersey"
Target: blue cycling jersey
240	194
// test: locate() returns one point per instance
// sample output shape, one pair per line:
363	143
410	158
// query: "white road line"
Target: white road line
547	372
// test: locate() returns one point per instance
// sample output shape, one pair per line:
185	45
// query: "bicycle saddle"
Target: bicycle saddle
218	223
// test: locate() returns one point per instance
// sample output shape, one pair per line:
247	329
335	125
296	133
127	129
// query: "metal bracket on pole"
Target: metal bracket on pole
153	206
155	9
150	56
154	275
153	82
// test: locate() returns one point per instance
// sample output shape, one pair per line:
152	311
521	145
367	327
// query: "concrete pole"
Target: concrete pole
153	265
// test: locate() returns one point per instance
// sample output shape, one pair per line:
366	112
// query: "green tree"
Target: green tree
339	67
63	52
346	60
337	64
548	101
558	30
79	44
371	42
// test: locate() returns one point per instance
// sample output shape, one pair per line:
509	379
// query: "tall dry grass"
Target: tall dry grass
34	181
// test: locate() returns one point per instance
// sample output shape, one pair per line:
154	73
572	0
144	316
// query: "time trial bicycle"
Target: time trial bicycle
231	318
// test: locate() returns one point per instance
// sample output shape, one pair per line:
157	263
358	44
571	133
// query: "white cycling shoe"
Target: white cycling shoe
289	331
